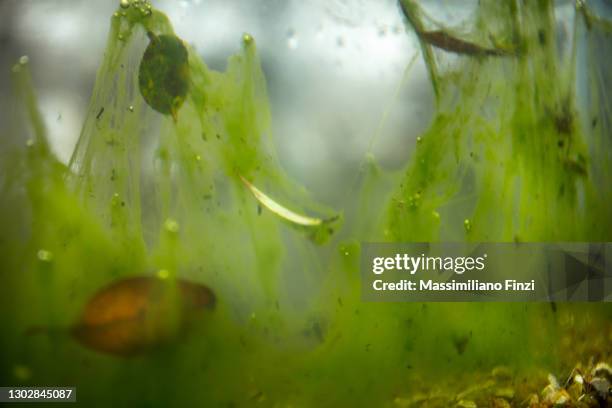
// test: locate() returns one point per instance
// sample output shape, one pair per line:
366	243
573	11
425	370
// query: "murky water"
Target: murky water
174	260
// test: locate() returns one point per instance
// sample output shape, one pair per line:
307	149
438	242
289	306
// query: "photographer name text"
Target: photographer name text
423	264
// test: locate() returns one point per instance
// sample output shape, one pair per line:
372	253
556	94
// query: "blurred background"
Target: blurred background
345	77
340	79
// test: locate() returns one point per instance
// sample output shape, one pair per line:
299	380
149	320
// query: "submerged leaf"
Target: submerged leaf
134	315
447	42
281	210
163	76
442	39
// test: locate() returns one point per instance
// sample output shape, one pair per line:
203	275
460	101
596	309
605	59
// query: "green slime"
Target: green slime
505	158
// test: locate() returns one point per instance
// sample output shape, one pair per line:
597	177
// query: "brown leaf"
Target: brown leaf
134	315
449	43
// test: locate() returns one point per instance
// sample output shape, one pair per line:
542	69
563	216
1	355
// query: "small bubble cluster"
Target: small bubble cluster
467	224
344	250
142	6
414	200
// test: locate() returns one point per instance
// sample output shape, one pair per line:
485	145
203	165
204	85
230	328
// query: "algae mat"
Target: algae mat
173	261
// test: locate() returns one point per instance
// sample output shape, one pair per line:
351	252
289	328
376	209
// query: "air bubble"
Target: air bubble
163	274
24	60
292	39
124	3
131	108
44	256
171	225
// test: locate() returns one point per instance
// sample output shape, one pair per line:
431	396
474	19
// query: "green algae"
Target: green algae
507	139
145	193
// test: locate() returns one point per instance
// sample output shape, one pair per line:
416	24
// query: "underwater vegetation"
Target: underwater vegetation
173	261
